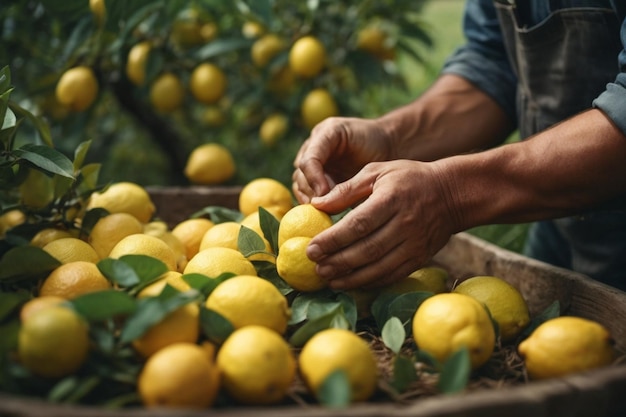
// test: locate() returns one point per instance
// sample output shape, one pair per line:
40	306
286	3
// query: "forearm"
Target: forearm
450	118
572	167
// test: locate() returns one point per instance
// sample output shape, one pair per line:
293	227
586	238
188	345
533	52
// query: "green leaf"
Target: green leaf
550	312
132	270
26	263
80	154
402	306
119	272
215	326
404	373
267	270
10	301
104	305
455	373
335	391
312	326
393	334
42	127
221	46
47	159
300	307
269	225
348	305
9	120
219	214
88	177
428	359
249	242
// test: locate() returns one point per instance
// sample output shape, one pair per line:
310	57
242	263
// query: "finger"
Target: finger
311	161
300	187
347	194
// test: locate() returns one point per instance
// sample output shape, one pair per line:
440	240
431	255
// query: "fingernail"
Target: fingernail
314	252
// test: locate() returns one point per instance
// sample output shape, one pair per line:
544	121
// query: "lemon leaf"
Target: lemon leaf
427	359
10	301
269	225
348	304
335	391
550	312
132	270
312	326
249	242
402	306
455	373
25	263
404	373
299	307
220	46
393	334
104	305
80	154
219	214
46	158
215	327
267	270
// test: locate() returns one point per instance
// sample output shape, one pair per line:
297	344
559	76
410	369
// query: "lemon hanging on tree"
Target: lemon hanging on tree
207	83
318	105
307	57
167	93
210	163
77	88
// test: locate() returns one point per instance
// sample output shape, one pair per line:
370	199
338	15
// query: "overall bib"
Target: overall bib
562	64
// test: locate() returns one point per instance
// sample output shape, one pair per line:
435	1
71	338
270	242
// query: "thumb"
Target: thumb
344	195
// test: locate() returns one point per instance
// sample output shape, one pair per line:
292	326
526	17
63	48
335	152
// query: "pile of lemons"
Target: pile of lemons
255	364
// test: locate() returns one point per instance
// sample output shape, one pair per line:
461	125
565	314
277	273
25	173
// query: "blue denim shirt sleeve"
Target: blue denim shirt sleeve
483	59
613	100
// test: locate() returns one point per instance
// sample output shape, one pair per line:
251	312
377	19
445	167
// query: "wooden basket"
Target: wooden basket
595	393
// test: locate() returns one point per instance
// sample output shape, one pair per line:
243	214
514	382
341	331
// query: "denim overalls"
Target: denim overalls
562	64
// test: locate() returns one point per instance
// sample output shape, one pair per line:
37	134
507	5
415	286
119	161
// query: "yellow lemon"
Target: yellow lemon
38	303
307	57
124	197
110	229
296	268
210	163
11	219
252	29
207	83
47	235
142	244
266	48
208	31
430	279
446	322
98	9
167	93
77	88
303	220
374	40
161	230
213	262
268	193
73	279
213	116
187	29
172	278
53	342
339	349
71	249
181	375
273	128
318	105
190	233
37	190
257	365
223	235
564	345
249	299
505	303
136	62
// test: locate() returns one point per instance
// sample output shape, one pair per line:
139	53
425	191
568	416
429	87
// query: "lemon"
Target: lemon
77	88
273	128
181	375
190	233
124	197
444	323
71	249
187	29
505	303
307	57
210	163
374	40
296	268
167	93
53	342
110	229
10	219
98	9
564	345
222	235
331	350
208	31
213	116
303	220
142	244
252	29
37	190
246	299
264	192
317	105
257	365
430	279
207	83
266	48
38	303
161	230
213	262
47	235
172	278
73	279
136	62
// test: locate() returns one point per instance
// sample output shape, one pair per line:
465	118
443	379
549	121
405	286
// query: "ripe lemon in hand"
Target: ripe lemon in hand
505	303
302	220
207	83
307	57
109	230
257	365
53	342
246	299
268	193
124	197
444	323
318	105
77	88
213	262
293	265
73	279
210	163
339	349
181	375
565	345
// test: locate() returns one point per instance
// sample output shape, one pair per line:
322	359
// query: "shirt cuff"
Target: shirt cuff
613	102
